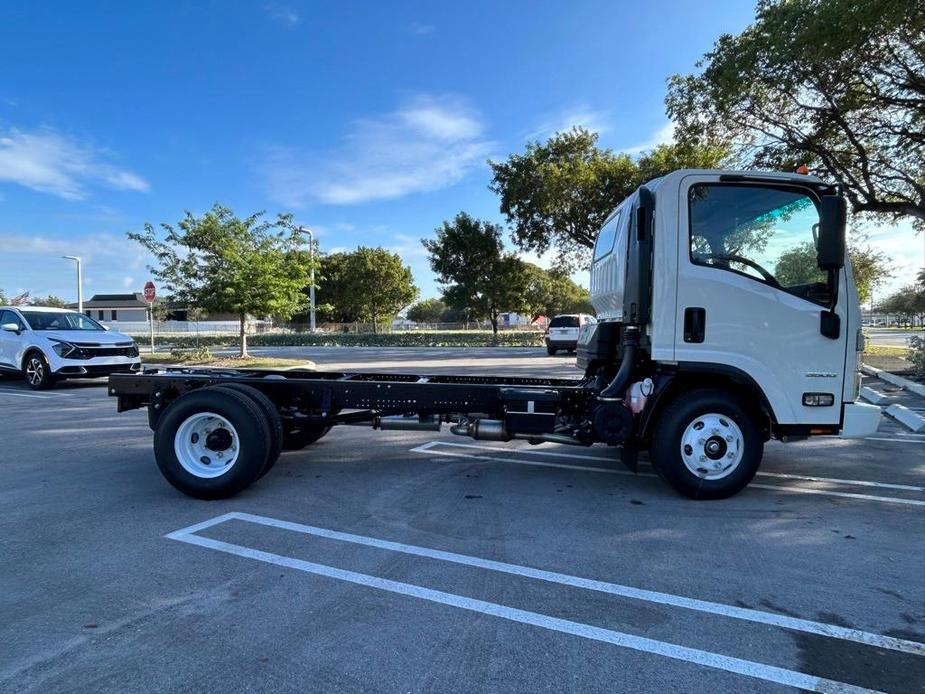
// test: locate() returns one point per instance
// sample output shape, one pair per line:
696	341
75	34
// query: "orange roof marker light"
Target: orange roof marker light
803	169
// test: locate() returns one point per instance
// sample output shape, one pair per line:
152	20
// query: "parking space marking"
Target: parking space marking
761	671
714	608
781	475
428	449
43	396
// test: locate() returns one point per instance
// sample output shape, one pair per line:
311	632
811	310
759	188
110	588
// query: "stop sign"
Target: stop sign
149	292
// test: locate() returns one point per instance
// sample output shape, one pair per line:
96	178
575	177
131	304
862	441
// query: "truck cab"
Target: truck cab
739	283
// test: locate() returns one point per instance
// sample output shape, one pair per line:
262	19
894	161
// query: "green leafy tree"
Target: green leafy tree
428	311
480	278
50	300
369	284
551	292
224	264
835	84
3	299
557	194
870	268
908	304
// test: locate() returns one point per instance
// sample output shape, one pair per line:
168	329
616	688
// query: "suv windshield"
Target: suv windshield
564	322
63	320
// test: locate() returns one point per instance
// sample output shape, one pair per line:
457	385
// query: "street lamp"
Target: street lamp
80	291
311	287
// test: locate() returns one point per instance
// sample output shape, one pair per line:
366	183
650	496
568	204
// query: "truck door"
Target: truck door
750	295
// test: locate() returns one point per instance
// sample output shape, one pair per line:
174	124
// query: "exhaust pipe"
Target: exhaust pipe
407	423
482	429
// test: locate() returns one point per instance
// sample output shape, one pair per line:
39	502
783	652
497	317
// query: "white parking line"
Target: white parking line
781	475
428	448
768	673
43	396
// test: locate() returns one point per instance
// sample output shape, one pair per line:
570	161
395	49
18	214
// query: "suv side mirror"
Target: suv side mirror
10	327
830	250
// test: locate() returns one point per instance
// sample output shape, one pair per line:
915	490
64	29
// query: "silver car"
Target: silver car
49	344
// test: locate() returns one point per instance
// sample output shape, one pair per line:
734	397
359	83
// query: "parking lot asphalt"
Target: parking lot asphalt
411	562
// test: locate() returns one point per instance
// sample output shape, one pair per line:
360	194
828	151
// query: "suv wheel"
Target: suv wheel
36	371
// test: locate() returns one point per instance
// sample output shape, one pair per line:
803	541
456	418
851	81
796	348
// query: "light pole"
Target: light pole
311	287
80	290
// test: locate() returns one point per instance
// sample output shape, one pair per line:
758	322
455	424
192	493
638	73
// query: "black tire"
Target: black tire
36	372
270	412
297	439
723	412
551	351
253	442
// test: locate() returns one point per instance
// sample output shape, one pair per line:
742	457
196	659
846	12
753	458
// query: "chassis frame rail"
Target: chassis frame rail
323	394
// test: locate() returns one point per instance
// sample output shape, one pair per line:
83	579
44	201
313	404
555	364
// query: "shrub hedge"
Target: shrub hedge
470	338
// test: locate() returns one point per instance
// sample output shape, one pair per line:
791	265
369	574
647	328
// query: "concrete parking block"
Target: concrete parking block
873	396
909	419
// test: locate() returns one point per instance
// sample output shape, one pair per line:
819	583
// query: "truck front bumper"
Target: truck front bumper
861	419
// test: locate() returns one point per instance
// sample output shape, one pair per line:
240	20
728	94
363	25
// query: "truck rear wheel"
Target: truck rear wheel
706	445
270	412
212	443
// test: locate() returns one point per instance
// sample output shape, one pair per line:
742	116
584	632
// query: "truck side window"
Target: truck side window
765	233
607	235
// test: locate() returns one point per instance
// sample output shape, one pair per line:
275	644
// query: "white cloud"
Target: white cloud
664	135
427	144
49	162
420	29
577	115
283	14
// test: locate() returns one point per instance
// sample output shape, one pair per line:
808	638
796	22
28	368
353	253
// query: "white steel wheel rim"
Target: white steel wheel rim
712	446
207	445
35	371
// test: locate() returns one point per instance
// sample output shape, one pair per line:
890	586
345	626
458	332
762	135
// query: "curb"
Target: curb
909	419
904	383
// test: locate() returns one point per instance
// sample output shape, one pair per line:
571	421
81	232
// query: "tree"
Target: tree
427	311
369	284
835	84
480	278
3	300
551	292
224	264
50	300
559	193
870	268
908	304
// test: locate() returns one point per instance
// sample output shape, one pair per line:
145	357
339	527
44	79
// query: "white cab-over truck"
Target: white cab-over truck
727	315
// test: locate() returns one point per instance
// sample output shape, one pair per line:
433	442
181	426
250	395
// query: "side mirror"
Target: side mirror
830	250
10	327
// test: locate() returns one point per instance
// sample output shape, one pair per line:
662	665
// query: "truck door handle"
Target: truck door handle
695	320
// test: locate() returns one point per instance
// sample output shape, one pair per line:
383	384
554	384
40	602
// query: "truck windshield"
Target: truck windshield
765	233
63	320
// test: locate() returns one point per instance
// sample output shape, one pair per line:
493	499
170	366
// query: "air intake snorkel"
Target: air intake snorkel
617	386
637	293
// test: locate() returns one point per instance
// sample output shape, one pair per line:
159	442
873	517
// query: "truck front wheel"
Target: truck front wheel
211	443
706	444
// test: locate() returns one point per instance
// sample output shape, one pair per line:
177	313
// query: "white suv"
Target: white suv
562	331
48	344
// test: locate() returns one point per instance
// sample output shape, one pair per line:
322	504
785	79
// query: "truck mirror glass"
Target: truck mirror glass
830	251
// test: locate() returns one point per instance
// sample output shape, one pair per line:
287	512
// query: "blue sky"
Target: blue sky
370	121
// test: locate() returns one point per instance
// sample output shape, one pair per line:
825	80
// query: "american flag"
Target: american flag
19	300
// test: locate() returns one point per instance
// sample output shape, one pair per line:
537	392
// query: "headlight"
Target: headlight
133	350
67	351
